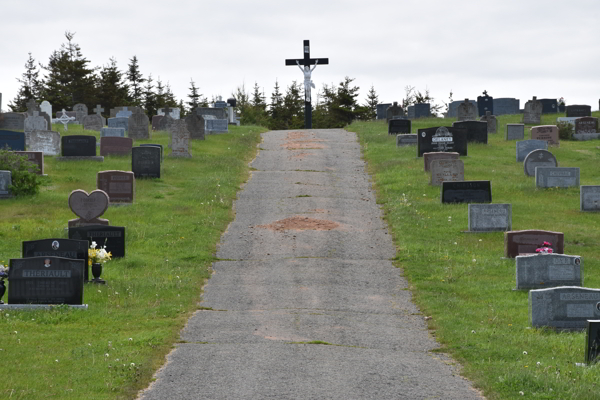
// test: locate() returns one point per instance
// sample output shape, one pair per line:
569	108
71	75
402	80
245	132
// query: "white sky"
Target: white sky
511	48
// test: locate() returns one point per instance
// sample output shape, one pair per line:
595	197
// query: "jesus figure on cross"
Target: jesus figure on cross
308	83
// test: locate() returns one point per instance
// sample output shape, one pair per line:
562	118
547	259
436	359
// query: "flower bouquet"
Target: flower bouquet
545	248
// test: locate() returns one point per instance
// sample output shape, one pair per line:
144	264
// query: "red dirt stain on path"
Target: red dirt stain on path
301	224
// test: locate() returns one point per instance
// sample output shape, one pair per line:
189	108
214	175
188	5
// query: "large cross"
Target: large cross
167	110
307	62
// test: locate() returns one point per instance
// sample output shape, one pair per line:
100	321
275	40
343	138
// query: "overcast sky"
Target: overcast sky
511	48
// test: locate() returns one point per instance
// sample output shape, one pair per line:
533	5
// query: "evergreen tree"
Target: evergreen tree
31	87
160	94
242	104
112	91
150	101
182	108
256	111
170	99
194	96
293	107
371	104
136	80
276	109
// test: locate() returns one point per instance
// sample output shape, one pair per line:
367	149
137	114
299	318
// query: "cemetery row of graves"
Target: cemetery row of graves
502	277
158	198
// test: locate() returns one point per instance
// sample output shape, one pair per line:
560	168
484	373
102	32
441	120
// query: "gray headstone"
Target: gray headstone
466	111
216	126
564	308
48	142
88	207
453	107
446	171
492	122
515	132
538	158
175	112
394	111
108	132
12	121
381	110
569	120
180	138
35	122
81	111
504	106
124	113
5	182
532	113
589	198
548	270
139	126
410	112
525	147
119	122
408	139
440	155
546	177
93	122
46	107
195	125
490	217
219	113
422	110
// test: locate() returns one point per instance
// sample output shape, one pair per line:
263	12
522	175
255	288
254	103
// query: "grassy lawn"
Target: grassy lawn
112	349
461	279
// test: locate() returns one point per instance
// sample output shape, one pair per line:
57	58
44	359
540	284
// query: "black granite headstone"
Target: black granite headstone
549	106
422	110
466	192
46	280
578	111
476	130
13	140
145	161
442	138
485	103
399	126
155	145
78	146
65	248
592	341
111	236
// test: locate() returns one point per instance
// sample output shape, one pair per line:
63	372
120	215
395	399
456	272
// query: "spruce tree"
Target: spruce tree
150	102
136	80
31	87
371	104
194	96
293	106
276	109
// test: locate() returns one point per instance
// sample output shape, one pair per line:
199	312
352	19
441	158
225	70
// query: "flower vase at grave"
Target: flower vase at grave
96	272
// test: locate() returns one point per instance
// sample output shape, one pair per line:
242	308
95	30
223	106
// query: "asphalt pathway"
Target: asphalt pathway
308	304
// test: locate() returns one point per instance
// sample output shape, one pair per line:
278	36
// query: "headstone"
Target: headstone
490	217
538	158
453	108
466	111
515	132
549	106
12	121
589	198
118	185
548	270
524	147
113	237
548	133
216	126
88	207
396	126
12	140
382	109
447	171
592	341
145	161
5	182
81	111
578	111
115	146
570	120
410	112
32	106
93	122
220	104
164	123
99	110
66	248
156	121
476	130
78	146
112	132
394	111
527	241
162	153
124	113
532	113
46	280
546	177
35	122
492	122
46	107
175	113
35	157
429	157
485	104
442	138
139	126
195	125
563	308
407	139
422	110
219	113
586	125
180	137
119	122
466	192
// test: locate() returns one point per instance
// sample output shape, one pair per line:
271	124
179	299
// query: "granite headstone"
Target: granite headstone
466	192
548	270
442	138
589	198
490	217
538	158
446	171
527	241
118	185
524	147
563	308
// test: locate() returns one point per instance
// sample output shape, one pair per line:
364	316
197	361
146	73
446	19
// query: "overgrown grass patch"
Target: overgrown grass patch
461	279
112	349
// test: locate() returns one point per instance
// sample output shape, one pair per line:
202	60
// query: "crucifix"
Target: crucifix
304	64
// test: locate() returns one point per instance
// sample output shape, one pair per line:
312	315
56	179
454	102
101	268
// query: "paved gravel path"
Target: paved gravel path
305	313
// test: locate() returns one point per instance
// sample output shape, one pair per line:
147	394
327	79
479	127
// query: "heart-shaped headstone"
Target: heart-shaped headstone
88	206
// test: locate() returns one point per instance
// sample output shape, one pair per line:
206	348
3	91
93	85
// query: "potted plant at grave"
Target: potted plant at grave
545	248
96	257
3	275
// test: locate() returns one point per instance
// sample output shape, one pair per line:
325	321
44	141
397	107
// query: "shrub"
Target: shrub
565	130
25	181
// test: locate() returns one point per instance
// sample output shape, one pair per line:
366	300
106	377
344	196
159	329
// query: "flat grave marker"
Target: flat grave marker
466	192
548	270
563	308
527	241
407	139
490	217
538	158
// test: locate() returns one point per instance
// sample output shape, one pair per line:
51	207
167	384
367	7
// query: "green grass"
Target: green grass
461	279
111	350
